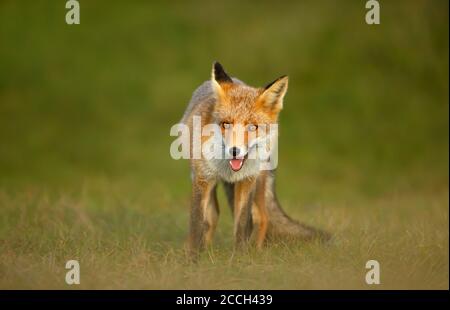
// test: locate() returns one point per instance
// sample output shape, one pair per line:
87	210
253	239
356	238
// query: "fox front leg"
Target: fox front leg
199	225
243	200
211	215
260	209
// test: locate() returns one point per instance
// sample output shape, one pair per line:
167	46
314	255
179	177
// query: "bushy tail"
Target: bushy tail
282	226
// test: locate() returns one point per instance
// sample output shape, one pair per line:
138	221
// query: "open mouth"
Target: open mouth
237	163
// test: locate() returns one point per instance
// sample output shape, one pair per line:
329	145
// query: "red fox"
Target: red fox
229	103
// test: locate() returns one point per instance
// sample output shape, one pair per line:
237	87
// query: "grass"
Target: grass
123	243
85	113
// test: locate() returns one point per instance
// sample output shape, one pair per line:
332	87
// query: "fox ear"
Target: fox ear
219	76
273	94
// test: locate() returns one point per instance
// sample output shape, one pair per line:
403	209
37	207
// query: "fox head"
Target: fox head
244	113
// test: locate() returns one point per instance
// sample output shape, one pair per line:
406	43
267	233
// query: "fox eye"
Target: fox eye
226	125
252	127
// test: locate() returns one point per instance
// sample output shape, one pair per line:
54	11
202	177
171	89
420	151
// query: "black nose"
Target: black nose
234	151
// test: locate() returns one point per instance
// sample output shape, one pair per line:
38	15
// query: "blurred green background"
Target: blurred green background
85	111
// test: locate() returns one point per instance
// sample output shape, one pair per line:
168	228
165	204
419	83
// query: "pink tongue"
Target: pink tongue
236	164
